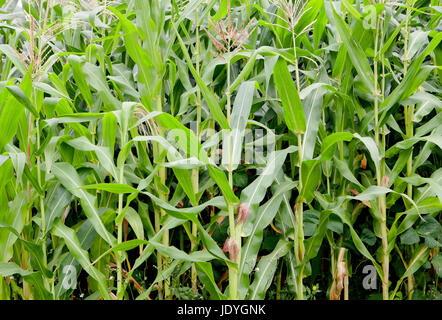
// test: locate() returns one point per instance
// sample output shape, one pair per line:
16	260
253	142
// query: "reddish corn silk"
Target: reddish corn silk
242	212
385	180
231	247
227	245
234	251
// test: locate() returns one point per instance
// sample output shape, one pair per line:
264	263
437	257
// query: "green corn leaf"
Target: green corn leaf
109	131
250	250
23	99
14	57
266	270
355	52
161	276
310	175
312	109
9	121
134	220
205	274
415	76
80	79
416	262
57	201
239	117
81	255
256	191
208	95
293	111
111	187
103	154
329	144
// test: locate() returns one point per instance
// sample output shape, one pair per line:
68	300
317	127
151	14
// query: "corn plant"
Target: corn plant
220	149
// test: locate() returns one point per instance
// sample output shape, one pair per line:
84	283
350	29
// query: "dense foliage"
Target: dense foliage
220	149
